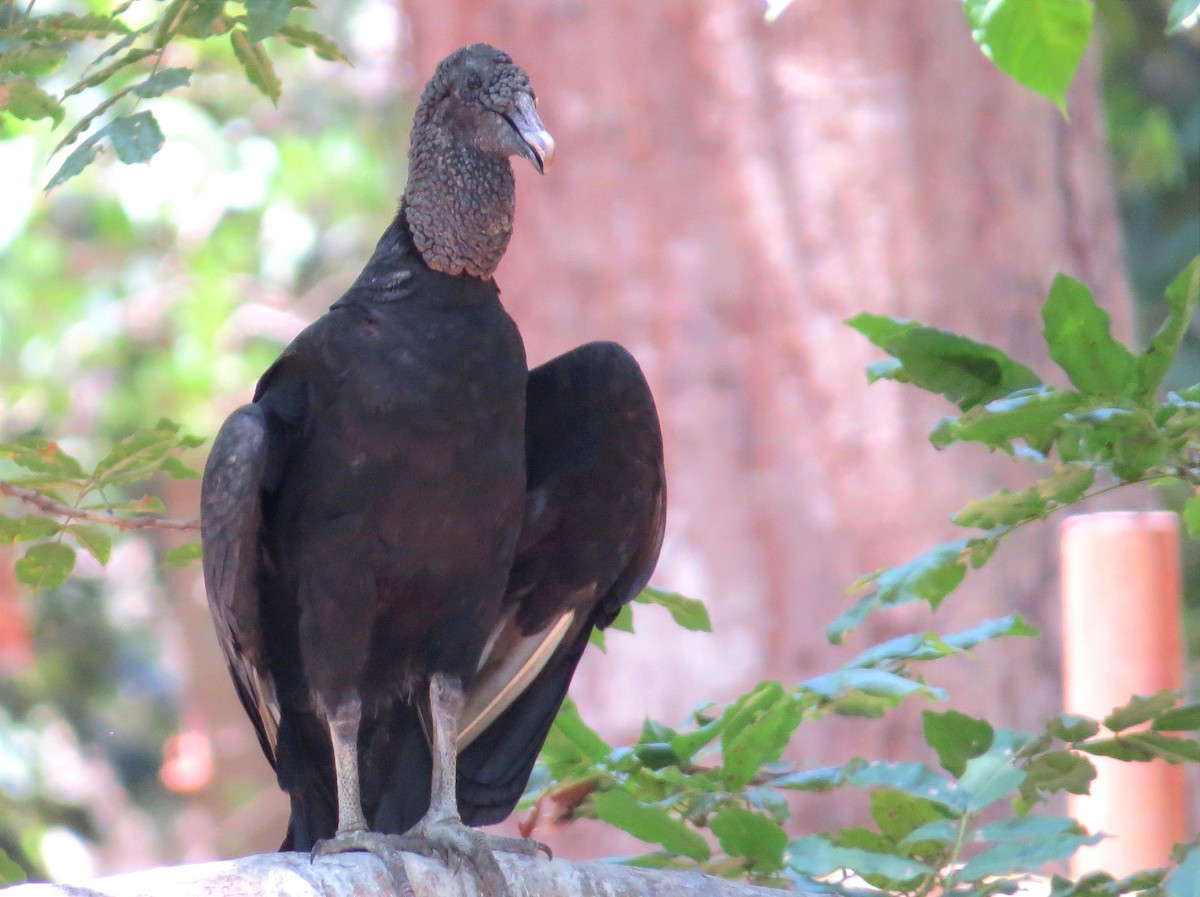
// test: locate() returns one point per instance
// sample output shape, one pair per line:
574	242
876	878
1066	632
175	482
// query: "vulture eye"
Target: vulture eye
474	82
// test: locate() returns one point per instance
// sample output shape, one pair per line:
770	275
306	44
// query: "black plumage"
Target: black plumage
407	537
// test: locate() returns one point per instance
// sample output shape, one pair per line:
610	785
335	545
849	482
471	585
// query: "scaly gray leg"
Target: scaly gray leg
352	832
441	828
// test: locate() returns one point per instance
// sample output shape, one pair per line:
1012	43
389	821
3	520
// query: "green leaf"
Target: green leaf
32	60
1181	719
814	856
1056	771
70	26
689	613
1141	710
42	456
964	371
137	456
136	138
988	778
929	577
1184	14
743	833
10	872
1034	415
1183	296
1004	508
1023	853
898	814
28	528
79	159
1184	879
162	81
957	738
1191	516
650	823
824	779
257	65
1077	333
1069	727
95	539
1012	625
1037	43
758	727
182	555
265	17
46	565
1143	746
915	779
177	470
324	47
24	99
878	683
571	738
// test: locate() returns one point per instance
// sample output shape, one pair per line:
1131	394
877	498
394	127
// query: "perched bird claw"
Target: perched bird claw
455	842
381	846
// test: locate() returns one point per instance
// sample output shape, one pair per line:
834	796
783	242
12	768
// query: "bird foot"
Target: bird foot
454	842
380	845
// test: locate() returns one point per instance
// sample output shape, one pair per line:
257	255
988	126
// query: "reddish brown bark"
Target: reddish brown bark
726	193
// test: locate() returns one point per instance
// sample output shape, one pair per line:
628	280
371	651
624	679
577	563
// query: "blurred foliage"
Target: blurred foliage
1152	106
132	293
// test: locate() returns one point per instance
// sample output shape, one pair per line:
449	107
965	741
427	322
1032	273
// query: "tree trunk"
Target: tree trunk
726	193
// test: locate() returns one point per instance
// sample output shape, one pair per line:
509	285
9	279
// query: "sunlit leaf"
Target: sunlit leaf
988	778
1181	719
95	539
814	856
1141	710
28	528
966	372
265	17
1143	746
1081	342
324	47
46	565
956	738
31	60
162	81
744	833
689	613
1183	296
182	555
1039	44
256	64
650	823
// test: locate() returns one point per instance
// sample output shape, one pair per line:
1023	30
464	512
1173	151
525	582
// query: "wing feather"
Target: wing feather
230	524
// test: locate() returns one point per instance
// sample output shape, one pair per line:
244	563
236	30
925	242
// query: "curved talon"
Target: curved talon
379	845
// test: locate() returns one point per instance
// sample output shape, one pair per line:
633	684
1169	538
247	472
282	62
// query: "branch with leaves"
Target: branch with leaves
126	48
78	508
720	777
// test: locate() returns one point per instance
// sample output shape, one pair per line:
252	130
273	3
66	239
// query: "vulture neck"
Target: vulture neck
458	204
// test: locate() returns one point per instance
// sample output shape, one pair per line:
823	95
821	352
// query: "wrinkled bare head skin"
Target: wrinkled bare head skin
477	111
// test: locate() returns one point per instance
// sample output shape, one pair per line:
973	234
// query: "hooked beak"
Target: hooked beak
537	144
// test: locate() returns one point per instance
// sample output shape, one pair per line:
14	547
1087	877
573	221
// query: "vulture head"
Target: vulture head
477	112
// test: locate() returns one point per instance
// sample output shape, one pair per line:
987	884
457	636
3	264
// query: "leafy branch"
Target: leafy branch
74	502
712	793
35	49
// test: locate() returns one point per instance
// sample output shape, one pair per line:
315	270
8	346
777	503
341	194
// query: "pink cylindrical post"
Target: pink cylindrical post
1122	636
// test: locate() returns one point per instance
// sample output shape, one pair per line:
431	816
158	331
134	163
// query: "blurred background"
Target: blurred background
726	193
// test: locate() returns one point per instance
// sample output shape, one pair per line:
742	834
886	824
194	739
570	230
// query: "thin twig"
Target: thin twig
40	501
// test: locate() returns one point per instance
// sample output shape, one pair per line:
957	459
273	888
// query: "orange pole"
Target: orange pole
1122	636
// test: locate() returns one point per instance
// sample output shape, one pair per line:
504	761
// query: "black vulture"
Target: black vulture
408	538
